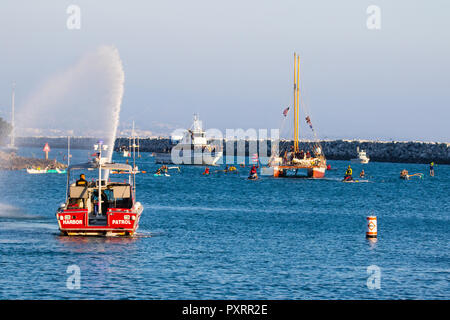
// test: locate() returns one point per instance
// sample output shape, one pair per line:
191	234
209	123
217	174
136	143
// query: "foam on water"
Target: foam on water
8	211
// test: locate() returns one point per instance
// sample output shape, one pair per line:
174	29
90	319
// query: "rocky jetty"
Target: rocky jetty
383	151
10	161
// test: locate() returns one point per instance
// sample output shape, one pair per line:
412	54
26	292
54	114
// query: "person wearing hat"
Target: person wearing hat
348	174
82	181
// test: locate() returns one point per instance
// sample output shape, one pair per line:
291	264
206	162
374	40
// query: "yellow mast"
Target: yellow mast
296	99
298	102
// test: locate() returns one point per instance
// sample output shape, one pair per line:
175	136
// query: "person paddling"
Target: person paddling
253	173
362	174
348	174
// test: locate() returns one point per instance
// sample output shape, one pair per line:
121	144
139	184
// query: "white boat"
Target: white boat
362	157
192	149
36	171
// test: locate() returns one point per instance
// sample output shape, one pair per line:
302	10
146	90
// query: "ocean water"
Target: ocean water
225	237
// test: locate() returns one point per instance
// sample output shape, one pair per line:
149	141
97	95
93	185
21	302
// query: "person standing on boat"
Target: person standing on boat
348	174
432	169
82	181
302	154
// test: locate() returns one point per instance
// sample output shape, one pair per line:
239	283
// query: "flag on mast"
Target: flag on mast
308	121
285	112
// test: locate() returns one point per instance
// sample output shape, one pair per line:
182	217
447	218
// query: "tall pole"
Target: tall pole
68	151
134	146
298	103
295	101
134	161
12	115
100	177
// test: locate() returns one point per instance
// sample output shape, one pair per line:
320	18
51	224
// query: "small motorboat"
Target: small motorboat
362	157
100	207
37	171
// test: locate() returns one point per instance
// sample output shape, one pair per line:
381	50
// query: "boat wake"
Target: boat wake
10	212
147	234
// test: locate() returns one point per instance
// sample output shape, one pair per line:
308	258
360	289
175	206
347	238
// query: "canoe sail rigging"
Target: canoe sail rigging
294	158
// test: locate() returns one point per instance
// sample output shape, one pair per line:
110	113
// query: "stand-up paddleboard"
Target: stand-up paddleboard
355	181
253	177
161	175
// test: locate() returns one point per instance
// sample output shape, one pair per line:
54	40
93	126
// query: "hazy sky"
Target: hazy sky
231	61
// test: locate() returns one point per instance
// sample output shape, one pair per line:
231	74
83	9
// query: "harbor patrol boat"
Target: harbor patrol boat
294	160
192	149
362	157
100	207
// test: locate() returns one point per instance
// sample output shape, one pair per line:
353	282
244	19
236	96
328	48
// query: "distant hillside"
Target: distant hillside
5	129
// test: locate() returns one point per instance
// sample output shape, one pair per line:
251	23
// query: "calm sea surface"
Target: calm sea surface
225	237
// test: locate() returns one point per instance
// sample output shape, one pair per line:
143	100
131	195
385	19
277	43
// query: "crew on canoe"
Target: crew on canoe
161	170
229	168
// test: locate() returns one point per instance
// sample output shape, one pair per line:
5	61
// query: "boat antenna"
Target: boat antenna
68	151
99	146
12	114
134	160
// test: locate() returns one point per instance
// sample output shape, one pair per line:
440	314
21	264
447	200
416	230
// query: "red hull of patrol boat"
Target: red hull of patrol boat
118	222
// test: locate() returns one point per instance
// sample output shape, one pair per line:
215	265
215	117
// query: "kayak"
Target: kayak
161	175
